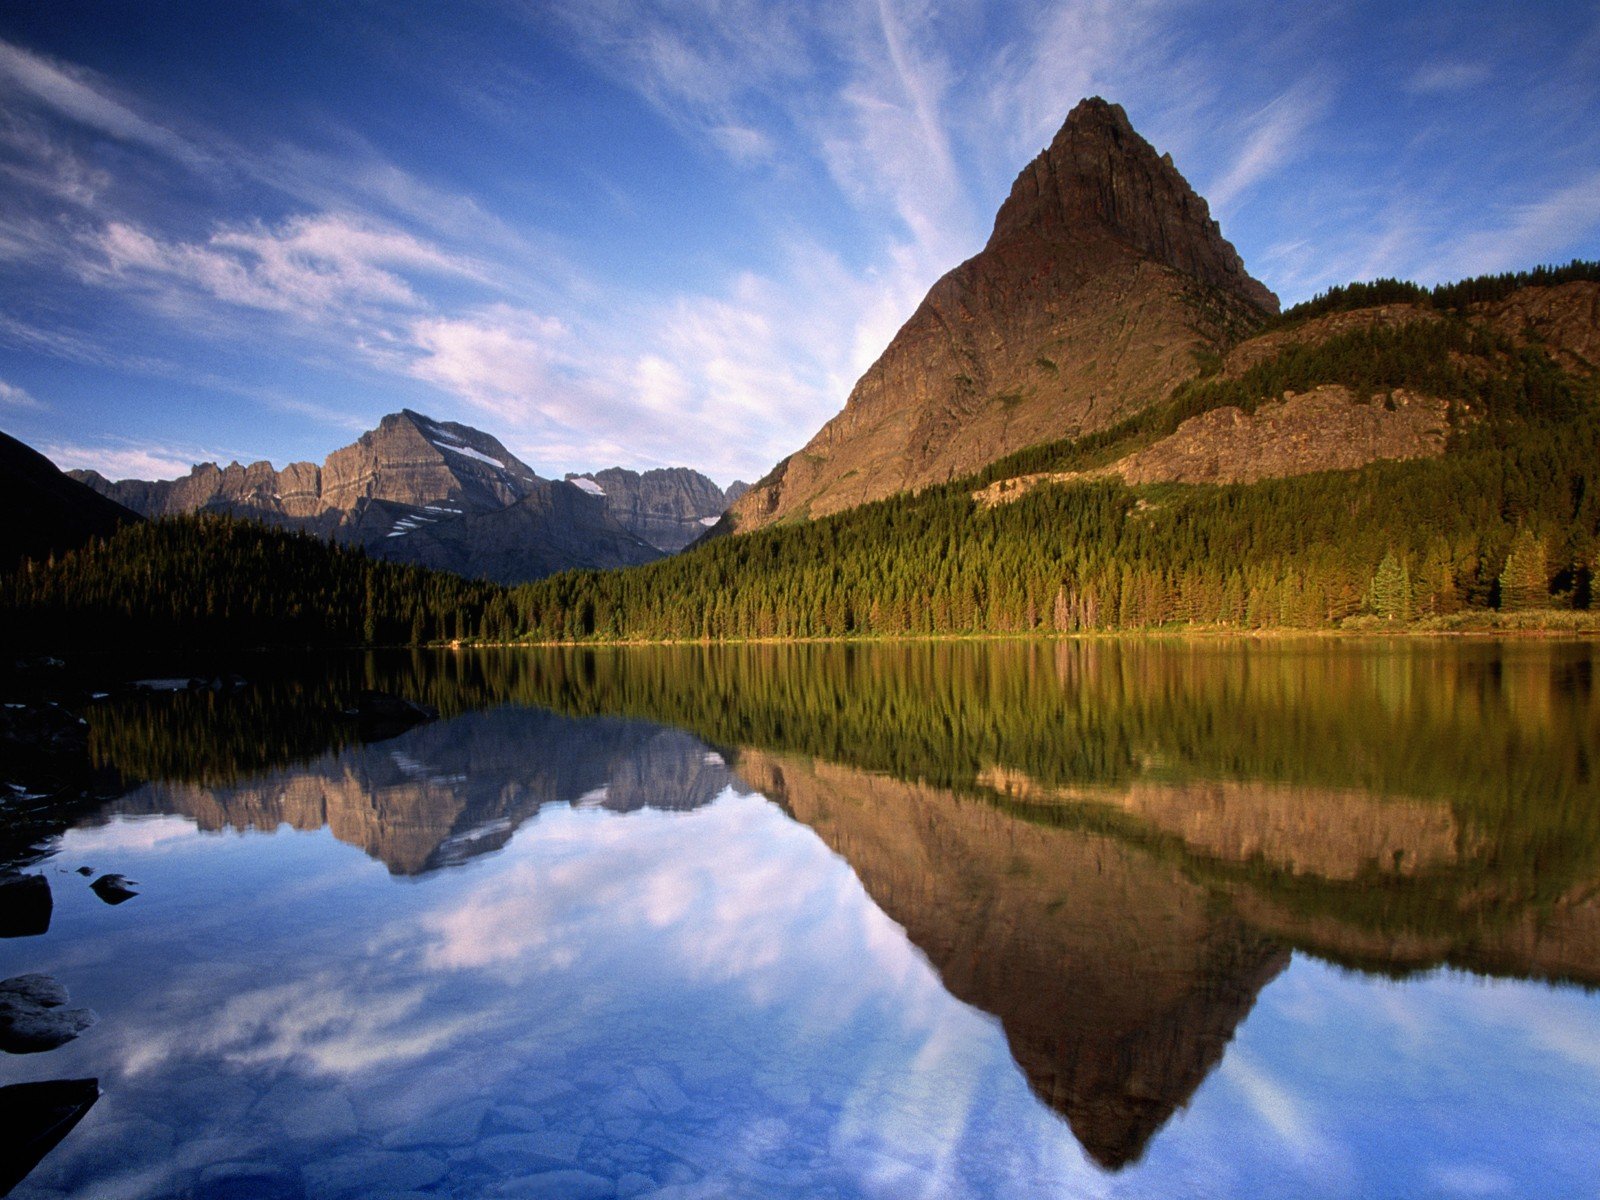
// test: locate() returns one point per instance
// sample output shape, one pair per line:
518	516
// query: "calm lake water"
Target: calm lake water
1084	919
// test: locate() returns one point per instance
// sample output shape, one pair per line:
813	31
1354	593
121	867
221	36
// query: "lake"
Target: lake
1297	918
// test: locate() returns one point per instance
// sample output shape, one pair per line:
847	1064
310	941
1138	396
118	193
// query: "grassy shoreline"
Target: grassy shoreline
1489	625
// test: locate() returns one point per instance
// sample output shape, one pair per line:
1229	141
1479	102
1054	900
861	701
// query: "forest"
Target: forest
1506	520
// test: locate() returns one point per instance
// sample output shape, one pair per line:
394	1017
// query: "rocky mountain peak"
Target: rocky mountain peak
669	507
1103	279
1099	174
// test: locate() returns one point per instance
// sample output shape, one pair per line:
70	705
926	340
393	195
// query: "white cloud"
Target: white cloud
319	267
126	459
502	360
73	93
1537	231
1291	1117
1278	136
11	396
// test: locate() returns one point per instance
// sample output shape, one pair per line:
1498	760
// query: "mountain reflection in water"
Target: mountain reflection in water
1112	848
440	794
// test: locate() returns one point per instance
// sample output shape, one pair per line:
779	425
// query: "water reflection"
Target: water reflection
438	795
759	978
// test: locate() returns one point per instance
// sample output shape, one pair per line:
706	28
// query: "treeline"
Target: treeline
1455	297
1523	471
1508	518
207	580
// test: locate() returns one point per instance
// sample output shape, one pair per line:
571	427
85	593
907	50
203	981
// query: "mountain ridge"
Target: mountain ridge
439	494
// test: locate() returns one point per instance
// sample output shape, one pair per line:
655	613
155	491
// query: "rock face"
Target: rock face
434	493
1326	429
47	512
667	508
1104	275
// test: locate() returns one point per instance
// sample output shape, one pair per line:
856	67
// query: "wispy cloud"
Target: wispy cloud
77	95
11	396
1437	77
1291	1117
1536	231
1278	134
125	458
317	267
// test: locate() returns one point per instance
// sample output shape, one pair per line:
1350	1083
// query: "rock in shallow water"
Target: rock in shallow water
33	1017
35	1117
114	889
25	905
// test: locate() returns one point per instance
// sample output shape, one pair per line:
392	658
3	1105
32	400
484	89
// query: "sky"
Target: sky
675	232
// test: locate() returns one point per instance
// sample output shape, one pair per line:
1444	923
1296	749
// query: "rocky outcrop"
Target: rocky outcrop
413	490
1564	320
1328	428
1104	275
667	508
409	459
1331	833
45	511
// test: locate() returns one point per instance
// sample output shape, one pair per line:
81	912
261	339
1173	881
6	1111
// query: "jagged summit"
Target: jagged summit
669	507
1103	278
416	490
1099	171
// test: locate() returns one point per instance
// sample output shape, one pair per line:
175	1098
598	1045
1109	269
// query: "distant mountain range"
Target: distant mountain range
444	495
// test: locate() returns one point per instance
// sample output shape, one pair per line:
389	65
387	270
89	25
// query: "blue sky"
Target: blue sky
674	232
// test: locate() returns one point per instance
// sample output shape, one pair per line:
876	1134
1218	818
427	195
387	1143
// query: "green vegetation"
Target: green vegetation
1301	552
216	581
1507	521
1452	296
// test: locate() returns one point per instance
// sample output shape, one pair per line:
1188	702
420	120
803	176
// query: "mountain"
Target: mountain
1104	280
434	493
1418	454
668	508
46	512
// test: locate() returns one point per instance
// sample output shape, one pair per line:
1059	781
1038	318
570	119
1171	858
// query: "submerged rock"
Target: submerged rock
33	1016
114	889
35	1117
25	905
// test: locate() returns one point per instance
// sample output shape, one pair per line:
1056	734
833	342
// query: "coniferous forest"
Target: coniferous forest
1507	519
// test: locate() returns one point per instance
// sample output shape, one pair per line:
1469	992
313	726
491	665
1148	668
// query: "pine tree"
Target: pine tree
1525	580
1390	594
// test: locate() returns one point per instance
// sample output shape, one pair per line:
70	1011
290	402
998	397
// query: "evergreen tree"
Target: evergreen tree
1525	579
1390	594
